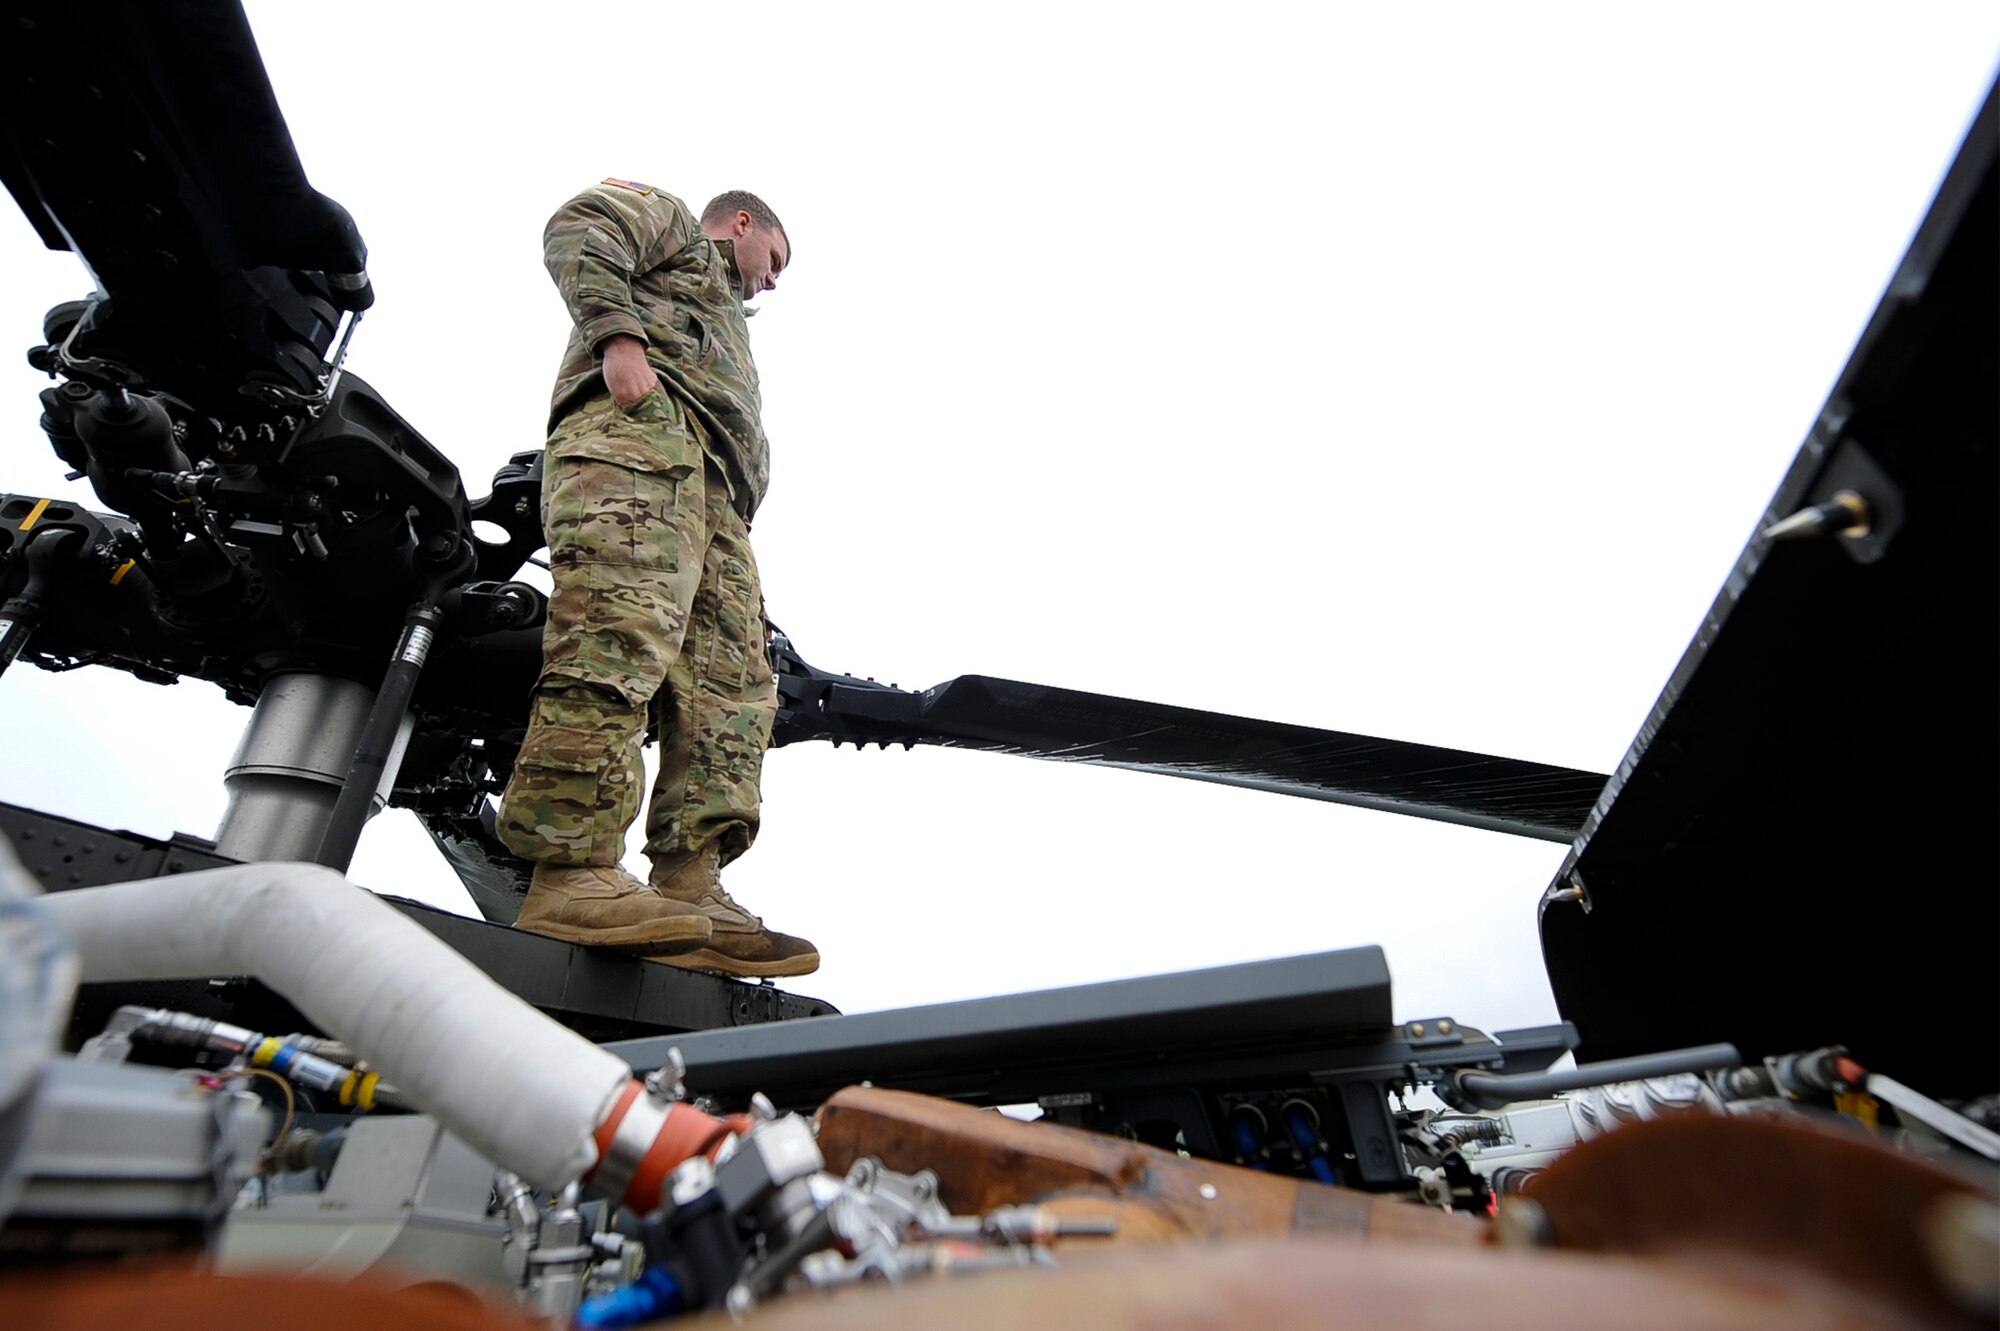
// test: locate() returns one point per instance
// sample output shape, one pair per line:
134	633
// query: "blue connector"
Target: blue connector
1307	1138
652	1297
1247	1144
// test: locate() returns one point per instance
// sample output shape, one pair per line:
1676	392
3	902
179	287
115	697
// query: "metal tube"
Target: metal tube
1490	1090
522	1090
1918	1106
379	752
516	1086
285	778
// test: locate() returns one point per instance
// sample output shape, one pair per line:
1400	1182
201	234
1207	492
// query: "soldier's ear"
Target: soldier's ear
743	224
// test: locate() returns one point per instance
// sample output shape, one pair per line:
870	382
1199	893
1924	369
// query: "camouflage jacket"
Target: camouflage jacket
630	259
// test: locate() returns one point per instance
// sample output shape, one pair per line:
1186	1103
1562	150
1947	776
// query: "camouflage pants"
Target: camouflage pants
656	606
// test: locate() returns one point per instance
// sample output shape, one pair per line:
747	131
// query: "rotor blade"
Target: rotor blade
146	138
1064	725
495	878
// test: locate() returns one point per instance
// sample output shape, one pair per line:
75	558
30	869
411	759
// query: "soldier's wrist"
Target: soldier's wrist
604	335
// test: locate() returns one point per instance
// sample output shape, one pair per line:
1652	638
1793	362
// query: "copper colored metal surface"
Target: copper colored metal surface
1333	1285
1788	1195
183	1298
984	1160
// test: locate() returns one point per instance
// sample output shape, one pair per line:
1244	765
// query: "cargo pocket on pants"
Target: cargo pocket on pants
615	626
599	509
739	630
570	797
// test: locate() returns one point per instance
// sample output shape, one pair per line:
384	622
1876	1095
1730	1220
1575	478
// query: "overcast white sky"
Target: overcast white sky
1416	371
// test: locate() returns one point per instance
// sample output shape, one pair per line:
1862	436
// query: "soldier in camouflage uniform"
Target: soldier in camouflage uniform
656	462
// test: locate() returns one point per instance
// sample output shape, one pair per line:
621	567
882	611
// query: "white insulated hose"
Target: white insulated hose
520	1088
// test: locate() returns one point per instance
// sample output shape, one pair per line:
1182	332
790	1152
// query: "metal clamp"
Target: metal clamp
668	1082
644	1120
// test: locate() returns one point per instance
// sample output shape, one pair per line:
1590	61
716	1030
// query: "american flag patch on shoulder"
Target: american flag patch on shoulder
632	185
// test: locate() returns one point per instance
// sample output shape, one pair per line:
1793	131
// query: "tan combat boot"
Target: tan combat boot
609	908
742	946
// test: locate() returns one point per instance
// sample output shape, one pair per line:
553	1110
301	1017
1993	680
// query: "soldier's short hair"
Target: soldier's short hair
742	200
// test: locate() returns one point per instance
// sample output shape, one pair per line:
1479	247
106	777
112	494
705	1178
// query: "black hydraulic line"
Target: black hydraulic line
378	736
1490	1090
817	1233
17	625
445	559
22	613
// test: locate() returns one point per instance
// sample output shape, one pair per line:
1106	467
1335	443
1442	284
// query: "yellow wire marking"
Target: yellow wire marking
1860	1106
35	515
291	1101
359	1088
267	1051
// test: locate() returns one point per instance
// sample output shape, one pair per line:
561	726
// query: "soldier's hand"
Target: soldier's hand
626	372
